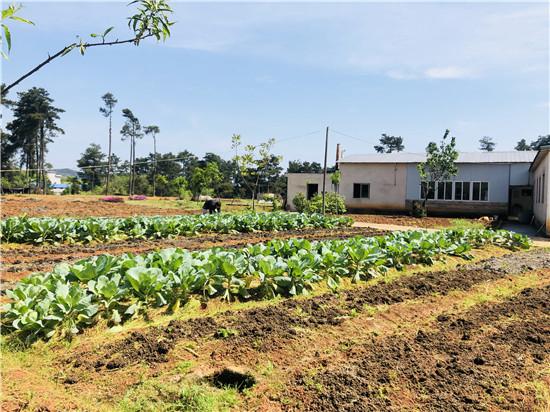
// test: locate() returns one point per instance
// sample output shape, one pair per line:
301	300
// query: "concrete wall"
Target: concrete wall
387	186
499	176
542	210
297	183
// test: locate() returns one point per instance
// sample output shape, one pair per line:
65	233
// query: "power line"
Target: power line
175	159
353	137
297	137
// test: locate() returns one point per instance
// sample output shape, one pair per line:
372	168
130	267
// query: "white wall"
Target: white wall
541	210
387	185
54	178
297	183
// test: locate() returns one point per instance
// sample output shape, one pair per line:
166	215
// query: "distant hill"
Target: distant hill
65	172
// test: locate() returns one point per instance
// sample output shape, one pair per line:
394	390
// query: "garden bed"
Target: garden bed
459	337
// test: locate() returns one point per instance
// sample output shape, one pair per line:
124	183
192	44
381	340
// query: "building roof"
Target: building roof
463	157
59	186
543	151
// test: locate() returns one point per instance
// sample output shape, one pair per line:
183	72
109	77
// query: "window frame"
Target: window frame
480	182
361	186
441	187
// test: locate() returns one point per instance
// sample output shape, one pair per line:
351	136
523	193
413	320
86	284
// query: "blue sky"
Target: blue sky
284	70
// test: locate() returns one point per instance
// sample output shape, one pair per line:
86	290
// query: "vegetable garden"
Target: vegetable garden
269	311
58	230
117	288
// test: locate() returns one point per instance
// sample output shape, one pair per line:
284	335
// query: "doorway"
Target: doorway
312	190
520	203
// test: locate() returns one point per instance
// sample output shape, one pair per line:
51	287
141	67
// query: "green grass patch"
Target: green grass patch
153	395
466	224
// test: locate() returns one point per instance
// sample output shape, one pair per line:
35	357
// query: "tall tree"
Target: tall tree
188	163
131	130
91	163
522	146
439	165
296	166
153	131
228	168
389	144
33	127
204	178
486	144
253	163
109	102
151	20
541	141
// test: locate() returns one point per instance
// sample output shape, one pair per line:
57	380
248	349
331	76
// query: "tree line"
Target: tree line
254	169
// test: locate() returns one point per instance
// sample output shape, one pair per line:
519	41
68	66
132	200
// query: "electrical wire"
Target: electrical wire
353	137
175	159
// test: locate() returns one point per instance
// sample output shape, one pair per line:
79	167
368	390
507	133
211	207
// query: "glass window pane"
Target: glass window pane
484	191
475	193
466	191
431	192
448	190
440	190
356	190
458	190
365	190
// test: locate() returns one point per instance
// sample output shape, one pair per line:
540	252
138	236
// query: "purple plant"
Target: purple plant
137	197
112	199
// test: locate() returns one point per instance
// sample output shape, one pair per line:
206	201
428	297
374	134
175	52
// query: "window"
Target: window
445	190
448	190
458	191
480	191
465	190
431	190
361	190
542	188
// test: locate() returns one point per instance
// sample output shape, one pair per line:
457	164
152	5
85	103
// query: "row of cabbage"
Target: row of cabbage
58	230
118	288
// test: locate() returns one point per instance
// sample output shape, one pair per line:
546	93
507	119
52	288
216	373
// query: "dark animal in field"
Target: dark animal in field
212	206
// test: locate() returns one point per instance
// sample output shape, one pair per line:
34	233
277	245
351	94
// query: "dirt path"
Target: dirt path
22	260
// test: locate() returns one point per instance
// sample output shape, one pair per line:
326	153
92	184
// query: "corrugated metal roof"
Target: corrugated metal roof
463	157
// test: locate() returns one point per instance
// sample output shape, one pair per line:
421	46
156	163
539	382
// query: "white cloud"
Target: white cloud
449	72
401	74
402	41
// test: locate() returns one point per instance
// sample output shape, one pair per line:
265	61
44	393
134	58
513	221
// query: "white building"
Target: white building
541	189
512	184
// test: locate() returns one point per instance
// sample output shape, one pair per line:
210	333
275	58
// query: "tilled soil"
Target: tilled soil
272	327
404	220
82	206
470	362
21	261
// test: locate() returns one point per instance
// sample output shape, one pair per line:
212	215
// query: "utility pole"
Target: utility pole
155	166
325	171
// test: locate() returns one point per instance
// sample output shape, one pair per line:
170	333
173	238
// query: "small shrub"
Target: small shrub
137	197
334	204
418	210
300	203
112	199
